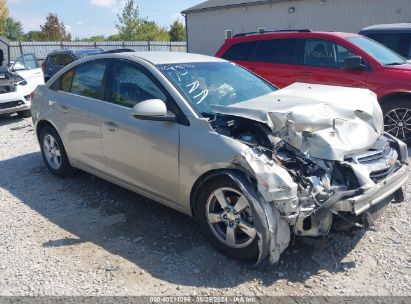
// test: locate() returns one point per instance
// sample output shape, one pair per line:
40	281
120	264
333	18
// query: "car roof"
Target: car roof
291	34
388	27
170	57
78	51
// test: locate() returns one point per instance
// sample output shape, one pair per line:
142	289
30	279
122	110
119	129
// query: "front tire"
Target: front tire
397	119
225	219
53	152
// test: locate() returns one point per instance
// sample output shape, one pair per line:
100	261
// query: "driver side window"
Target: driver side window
28	61
131	85
323	53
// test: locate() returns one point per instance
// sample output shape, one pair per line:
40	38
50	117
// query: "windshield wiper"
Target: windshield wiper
394	63
208	115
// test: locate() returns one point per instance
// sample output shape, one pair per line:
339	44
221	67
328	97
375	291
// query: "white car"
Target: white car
18	83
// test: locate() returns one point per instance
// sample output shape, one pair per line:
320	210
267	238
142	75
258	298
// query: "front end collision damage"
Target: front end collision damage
296	180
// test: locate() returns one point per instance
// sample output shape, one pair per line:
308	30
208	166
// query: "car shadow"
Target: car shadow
163	242
7	119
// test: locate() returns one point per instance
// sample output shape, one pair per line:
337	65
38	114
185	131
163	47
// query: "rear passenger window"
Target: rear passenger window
281	51
88	79
64	59
130	85
324	53
53	59
240	51
66	80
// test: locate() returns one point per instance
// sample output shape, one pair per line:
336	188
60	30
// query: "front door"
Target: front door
27	66
142	153
322	62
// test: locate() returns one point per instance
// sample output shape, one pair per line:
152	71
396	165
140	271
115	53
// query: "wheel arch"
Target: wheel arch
41	125
394	96
207	177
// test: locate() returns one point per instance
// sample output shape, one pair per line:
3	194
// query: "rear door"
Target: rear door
27	66
79	102
275	59
322	62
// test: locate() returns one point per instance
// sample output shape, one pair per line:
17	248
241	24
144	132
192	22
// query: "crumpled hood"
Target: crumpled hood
327	122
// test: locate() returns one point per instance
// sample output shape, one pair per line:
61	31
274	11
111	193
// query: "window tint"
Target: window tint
66	80
240	51
64	59
324	53
53	59
382	54
277	51
28	61
130	85
88	78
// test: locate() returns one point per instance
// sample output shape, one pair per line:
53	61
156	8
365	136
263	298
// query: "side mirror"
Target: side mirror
353	63
18	67
152	109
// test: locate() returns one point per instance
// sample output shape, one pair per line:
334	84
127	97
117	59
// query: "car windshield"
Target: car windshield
379	52
215	83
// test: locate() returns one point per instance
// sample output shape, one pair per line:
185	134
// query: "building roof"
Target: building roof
388	27
214	4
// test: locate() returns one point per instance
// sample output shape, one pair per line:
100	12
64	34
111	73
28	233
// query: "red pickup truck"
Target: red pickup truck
342	59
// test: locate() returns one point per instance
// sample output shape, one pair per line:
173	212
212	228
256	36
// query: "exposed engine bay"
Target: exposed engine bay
309	193
9	81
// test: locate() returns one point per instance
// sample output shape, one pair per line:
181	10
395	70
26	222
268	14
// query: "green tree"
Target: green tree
34	36
129	21
115	37
131	26
4	12
54	30
98	38
13	29
150	31
177	31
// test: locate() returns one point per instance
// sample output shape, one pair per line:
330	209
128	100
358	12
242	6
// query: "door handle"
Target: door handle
307	74
64	109
111	126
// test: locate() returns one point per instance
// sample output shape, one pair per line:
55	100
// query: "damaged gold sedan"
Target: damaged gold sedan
206	137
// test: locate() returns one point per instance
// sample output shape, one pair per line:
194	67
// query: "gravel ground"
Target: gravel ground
84	236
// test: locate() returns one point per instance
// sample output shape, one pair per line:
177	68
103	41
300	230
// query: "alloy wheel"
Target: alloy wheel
52	151
397	122
229	217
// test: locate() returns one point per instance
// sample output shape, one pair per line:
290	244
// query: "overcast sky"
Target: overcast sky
85	18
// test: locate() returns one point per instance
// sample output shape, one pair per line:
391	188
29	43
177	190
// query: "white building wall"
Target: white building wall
206	29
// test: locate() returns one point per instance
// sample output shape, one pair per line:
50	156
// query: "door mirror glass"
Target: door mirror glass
353	63
152	109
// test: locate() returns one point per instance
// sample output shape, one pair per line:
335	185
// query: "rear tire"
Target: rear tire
210	212
397	119
53	152
24	114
